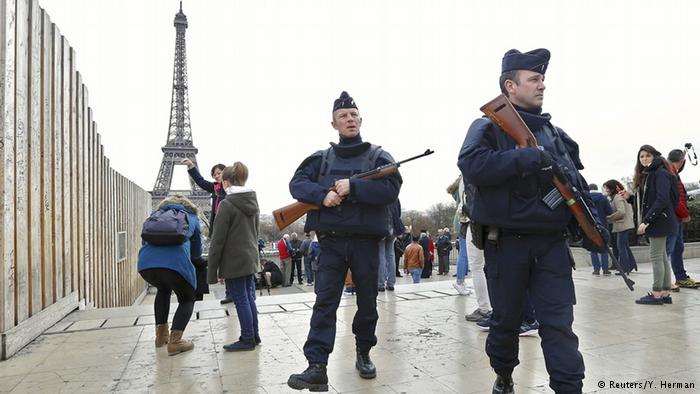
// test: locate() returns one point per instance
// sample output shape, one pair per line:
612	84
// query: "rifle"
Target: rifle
290	213
501	111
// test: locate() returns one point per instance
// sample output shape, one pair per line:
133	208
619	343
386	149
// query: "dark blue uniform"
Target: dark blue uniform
348	235
531	255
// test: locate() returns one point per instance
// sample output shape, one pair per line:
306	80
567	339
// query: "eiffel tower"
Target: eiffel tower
179	144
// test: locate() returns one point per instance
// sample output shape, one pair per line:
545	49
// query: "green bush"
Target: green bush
692	229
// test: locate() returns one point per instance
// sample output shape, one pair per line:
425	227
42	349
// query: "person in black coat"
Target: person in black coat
656	194
424	242
215	188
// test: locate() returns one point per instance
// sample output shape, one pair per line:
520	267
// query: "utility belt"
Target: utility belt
482	234
346	234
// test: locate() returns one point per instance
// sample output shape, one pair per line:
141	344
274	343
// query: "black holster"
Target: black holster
478	234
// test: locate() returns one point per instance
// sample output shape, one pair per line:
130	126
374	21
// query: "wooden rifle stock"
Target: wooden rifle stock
501	111
289	214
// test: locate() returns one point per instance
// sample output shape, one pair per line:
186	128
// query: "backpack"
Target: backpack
166	227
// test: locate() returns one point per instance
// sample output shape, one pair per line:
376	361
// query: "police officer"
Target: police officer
352	219
526	250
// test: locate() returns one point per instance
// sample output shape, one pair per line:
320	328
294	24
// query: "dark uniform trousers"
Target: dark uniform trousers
361	256
541	266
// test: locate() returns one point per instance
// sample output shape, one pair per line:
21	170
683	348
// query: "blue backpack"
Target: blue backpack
166	227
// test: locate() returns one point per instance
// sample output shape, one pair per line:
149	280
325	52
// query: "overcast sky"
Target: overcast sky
263	75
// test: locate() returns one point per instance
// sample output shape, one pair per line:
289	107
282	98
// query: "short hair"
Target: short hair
415	238
592	186
512	75
237	174
676	156
219	167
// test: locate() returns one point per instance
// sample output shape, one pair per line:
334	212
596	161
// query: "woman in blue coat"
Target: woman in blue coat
656	194
169	268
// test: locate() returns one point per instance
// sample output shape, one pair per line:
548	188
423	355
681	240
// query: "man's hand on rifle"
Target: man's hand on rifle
549	166
332	199
342	187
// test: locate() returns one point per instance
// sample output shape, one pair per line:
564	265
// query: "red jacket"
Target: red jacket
282	247
682	211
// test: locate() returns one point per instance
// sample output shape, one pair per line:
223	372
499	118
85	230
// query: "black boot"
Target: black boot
365	366
314	379
503	385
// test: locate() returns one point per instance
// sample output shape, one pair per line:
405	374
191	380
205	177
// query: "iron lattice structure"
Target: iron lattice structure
179	144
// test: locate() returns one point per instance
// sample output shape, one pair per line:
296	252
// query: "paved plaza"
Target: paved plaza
425	345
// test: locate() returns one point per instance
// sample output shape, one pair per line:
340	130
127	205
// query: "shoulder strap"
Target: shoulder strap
373	154
327	159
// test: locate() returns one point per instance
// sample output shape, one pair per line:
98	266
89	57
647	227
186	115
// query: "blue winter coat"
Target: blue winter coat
659	200
175	257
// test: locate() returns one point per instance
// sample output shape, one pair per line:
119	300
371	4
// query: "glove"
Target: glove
593	247
549	168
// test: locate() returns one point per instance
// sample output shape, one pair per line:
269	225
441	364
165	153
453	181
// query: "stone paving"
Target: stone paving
425	346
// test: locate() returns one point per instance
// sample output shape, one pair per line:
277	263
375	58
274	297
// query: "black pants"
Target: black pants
538	266
169	281
296	263
361	256
397	257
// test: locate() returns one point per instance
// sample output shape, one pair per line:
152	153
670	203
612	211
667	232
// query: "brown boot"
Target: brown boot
162	335
177	344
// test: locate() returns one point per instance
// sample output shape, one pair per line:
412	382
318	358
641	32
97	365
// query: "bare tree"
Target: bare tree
442	214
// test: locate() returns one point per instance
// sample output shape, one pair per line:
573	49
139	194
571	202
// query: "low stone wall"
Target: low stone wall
582	257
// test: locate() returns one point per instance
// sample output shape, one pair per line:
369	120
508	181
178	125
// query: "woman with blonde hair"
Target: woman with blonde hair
169	268
233	253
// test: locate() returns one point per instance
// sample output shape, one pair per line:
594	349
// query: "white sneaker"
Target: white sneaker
462	289
309	284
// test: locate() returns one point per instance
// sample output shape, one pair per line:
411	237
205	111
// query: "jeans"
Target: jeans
462	260
243	292
623	247
387	271
415	273
308	270
596	259
675	248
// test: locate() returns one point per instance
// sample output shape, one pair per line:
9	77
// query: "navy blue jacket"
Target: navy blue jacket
509	190
602	205
659	200
365	194
397	225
